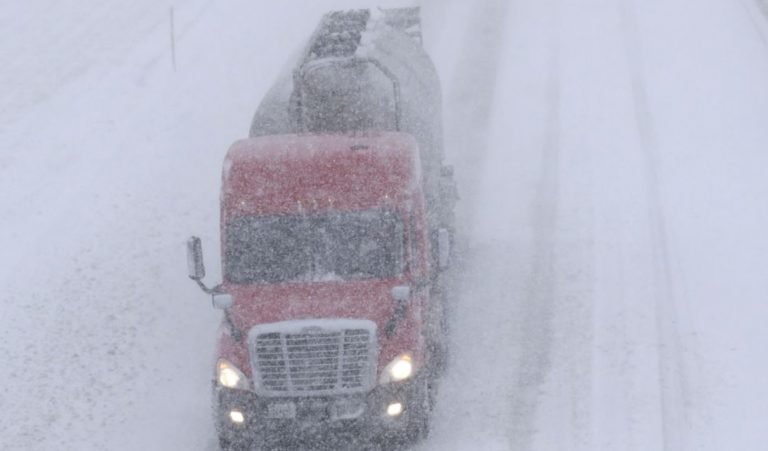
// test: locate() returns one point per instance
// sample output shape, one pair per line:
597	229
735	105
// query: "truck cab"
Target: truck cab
328	288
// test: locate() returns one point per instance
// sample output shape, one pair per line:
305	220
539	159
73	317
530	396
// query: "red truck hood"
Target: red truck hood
269	303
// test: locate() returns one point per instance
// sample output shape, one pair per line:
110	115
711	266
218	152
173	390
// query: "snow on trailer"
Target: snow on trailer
366	70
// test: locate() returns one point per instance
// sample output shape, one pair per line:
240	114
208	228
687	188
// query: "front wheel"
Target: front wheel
226	444
419	419
239	443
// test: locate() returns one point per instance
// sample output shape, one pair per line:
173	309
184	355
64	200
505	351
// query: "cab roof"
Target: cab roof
306	172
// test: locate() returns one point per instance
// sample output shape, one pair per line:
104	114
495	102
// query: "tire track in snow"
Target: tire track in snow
675	397
470	100
475	408
563	279
537	307
508	290
757	20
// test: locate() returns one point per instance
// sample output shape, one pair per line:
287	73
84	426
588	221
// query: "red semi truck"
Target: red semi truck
334	241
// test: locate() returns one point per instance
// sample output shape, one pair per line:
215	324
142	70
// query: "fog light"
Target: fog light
236	416
394	409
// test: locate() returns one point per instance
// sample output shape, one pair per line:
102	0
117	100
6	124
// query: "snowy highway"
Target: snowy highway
610	156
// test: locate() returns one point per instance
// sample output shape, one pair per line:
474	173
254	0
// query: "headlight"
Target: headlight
399	369
229	376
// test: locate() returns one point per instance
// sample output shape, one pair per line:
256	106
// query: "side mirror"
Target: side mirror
222	301
401	293
443	248
195	258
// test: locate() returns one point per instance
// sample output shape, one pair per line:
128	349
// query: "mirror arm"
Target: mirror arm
236	333
397	315
206	290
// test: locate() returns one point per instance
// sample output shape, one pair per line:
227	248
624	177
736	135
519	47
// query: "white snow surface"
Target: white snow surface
611	156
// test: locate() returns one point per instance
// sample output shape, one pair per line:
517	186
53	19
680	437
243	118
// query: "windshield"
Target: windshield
312	248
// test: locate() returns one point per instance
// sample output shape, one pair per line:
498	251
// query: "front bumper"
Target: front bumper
364	412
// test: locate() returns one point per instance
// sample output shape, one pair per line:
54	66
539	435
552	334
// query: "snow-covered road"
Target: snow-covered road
611	157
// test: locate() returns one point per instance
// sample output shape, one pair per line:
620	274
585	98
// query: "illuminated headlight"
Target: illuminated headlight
399	369
236	416
395	409
229	376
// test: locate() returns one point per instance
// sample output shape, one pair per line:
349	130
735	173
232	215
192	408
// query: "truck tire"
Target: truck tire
419	420
440	355
227	444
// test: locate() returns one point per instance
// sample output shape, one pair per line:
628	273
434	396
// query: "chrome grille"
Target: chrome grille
317	357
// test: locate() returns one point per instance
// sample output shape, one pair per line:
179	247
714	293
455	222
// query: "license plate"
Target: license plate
347	409
281	410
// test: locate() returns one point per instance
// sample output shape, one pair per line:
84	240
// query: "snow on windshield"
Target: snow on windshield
304	248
